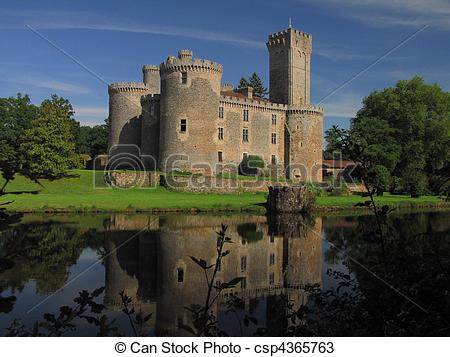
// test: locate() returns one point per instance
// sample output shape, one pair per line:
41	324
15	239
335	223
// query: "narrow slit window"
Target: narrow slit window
183	125
274	119
245	114
245	135
271	278
221	112
180	275
244	283
243	263
220	156
272	259
183	77
220	133
274	160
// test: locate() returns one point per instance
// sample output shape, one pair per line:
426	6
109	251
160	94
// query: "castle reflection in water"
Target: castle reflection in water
148	257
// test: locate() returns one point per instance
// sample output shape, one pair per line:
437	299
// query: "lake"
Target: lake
321	275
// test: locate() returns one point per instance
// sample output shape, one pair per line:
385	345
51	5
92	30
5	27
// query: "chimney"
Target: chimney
248	92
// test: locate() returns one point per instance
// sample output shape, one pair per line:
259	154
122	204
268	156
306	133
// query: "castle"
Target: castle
274	256
183	118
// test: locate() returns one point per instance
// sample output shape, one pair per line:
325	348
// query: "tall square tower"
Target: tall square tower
290	67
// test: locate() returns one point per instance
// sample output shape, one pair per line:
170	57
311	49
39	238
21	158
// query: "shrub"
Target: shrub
251	165
315	188
343	190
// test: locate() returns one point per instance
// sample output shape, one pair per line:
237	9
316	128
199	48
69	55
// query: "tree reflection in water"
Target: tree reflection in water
300	275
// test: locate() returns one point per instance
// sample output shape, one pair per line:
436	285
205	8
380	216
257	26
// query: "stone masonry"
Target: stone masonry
181	117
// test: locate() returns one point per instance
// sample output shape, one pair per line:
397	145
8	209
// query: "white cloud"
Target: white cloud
89	115
40	81
60	20
435	13
334	53
342	105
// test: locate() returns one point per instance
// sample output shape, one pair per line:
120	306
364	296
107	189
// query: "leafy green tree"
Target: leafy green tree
92	141
333	146
16	115
98	140
48	148
406	129
256	83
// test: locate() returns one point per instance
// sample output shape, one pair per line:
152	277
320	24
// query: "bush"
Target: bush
343	190
251	165
415	183
315	188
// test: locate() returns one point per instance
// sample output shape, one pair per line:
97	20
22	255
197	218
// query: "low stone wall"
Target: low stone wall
202	184
191	183
134	179
290	199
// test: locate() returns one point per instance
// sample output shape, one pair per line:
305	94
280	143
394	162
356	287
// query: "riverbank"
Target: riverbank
79	194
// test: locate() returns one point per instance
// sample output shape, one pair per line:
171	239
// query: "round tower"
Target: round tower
150	130
152	78
190	91
124	113
304	143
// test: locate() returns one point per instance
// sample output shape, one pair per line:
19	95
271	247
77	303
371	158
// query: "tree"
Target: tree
16	115
333	146
256	83
98	140
92	140
48	148
406	129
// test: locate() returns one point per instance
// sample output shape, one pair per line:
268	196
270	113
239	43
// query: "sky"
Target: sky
75	48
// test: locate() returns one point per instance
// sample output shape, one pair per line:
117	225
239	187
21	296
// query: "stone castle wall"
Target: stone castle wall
304	142
149	114
124	113
150	127
259	126
290	66
195	101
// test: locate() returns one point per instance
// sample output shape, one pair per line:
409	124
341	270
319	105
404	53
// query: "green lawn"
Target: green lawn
79	194
386	199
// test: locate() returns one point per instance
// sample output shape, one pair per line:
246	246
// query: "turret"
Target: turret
290	72
303	144
190	92
289	61
124	113
151	78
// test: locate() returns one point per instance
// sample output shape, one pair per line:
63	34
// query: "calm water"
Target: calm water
363	286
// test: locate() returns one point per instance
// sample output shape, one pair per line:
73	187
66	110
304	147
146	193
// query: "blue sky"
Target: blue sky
113	39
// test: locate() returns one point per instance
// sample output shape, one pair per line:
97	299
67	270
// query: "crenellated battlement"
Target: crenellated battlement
305	109
254	103
150	98
185	55
182	107
150	68
174	64
284	33
283	37
226	87
127	87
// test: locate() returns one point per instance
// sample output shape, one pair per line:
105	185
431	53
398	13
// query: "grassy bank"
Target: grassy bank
78	194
